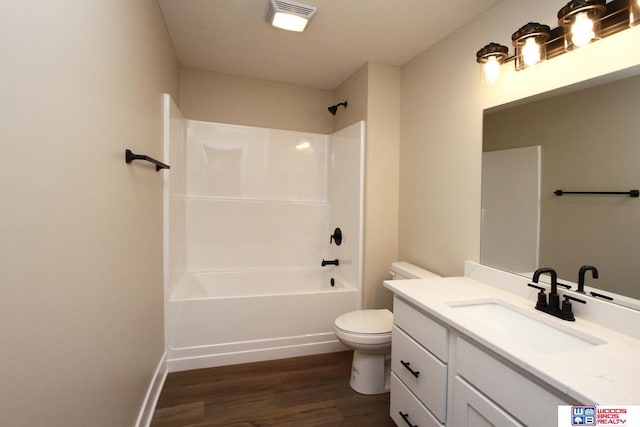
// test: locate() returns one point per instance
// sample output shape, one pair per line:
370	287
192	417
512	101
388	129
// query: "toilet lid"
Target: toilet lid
366	321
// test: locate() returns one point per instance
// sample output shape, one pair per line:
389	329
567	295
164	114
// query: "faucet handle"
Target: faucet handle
336	237
566	312
564	285
542	297
569	297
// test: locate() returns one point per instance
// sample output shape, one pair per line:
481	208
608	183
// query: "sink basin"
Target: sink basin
531	330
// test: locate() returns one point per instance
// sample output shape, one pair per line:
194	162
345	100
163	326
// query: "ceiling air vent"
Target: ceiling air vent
290	15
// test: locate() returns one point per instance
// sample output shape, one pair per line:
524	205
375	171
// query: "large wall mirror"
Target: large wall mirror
576	140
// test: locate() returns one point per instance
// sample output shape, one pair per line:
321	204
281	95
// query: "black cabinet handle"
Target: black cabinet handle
408	366
405	417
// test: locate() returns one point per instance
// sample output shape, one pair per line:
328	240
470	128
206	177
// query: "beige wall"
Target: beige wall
354	90
381	182
373	94
81	323
225	98
441	126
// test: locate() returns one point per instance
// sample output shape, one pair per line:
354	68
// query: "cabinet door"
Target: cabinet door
530	402
472	409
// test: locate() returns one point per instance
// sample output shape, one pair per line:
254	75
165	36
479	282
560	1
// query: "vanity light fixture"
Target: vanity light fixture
290	15
530	44
581	22
491	57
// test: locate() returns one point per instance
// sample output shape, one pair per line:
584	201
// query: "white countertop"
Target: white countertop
604	374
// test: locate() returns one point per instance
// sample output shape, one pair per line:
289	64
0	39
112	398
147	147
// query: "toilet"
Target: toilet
368	333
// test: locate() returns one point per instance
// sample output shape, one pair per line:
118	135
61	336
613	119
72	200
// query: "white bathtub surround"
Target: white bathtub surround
249	229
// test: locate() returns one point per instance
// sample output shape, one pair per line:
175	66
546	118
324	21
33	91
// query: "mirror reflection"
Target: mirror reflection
586	140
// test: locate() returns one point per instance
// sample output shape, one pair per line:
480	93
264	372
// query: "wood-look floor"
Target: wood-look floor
301	392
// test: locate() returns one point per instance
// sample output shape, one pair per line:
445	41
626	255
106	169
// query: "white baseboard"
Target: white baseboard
153	393
206	358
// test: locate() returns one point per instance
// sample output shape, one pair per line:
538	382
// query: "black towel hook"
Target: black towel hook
130	157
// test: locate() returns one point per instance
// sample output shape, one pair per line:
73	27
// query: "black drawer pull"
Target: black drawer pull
405	417
407	365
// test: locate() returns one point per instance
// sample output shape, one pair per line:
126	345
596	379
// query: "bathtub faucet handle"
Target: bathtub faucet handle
330	262
336	237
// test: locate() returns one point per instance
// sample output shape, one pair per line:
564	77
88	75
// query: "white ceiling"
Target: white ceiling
233	36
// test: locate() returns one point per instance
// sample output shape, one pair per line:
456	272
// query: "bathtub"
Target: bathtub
228	317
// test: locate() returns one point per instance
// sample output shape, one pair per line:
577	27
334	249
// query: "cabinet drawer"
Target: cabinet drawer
404	403
527	401
430	334
420	371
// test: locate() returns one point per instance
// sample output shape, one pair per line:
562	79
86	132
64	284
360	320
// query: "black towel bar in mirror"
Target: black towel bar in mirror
631	193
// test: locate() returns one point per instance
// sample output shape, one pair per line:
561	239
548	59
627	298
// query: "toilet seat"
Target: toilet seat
365	326
366	321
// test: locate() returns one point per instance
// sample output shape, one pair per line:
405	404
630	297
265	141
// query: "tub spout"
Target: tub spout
330	262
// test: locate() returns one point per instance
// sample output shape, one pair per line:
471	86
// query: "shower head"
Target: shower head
334	108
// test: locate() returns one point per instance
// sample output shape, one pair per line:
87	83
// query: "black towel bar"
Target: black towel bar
631	193
130	157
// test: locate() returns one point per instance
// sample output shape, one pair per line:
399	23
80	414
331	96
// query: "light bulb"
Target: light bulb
582	30
491	69
531	52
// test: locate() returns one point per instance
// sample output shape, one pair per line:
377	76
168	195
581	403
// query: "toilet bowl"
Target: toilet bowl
368	333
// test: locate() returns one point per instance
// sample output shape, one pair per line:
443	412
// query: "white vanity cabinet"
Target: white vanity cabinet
419	356
440	378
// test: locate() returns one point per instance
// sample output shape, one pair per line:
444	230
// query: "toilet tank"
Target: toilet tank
401	270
